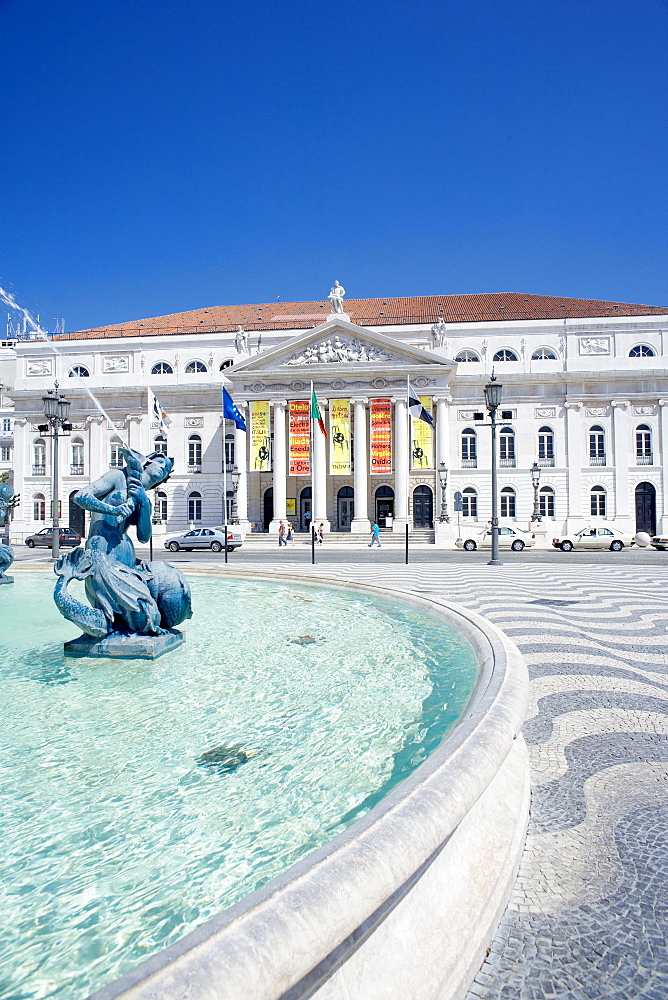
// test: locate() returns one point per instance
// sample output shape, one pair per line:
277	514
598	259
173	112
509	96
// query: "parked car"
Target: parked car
205	538
660	542
594	537
509	538
45	537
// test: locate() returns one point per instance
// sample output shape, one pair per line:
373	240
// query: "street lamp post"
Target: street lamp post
443	481
493	391
535	479
56	410
235	476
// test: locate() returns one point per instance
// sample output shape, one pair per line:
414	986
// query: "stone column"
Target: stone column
279	465
241	462
400	464
361	462
444	531
662	501
320	471
621	445
573	460
443	430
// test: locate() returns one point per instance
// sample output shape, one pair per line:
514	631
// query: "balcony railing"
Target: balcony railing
76	470
546	463
507	463
644	460
597	459
39	470
469	463
195	468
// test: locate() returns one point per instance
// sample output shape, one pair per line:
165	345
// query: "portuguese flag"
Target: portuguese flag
315	411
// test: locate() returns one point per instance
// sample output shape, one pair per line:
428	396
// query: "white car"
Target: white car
594	537
660	542
509	538
204	538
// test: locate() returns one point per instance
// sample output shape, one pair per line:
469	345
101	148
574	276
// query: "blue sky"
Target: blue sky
162	155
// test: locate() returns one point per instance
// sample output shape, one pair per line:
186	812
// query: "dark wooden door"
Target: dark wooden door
646	508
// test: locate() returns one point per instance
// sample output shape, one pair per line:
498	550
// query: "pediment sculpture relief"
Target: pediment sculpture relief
338	350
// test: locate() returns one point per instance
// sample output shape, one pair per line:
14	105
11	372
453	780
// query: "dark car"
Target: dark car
45	537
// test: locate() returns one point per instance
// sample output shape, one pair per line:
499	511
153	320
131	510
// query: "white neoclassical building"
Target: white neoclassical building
585	397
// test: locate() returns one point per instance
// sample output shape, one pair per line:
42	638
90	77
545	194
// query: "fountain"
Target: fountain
8	500
135	604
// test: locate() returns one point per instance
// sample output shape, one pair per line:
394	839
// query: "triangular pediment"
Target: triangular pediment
338	343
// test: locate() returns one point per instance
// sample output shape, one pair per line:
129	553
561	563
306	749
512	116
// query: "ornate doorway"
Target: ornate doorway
646	508
384	506
345	508
423	507
305	508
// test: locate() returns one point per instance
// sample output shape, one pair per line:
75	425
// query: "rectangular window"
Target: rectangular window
5	454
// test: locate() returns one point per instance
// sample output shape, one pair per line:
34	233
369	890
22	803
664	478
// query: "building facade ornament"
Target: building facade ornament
615	403
643	410
43	366
193	422
241	341
542	412
594	345
596	411
116	363
572	404
338	350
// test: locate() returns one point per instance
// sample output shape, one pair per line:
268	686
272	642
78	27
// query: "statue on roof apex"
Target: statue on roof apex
438	333
336	297
241	341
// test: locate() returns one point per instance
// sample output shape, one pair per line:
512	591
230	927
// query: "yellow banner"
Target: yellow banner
339	436
260	435
422	440
300	437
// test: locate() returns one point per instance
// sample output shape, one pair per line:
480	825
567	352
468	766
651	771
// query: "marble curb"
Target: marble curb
406	900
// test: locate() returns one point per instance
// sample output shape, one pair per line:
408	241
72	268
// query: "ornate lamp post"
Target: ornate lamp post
235	476
56	410
535	479
493	391
443	482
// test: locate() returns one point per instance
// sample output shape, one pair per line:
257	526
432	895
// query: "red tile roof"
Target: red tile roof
417	309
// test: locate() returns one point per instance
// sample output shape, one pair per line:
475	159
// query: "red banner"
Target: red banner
381	436
300	437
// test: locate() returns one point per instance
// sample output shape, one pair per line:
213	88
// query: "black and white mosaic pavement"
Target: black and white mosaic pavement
588	917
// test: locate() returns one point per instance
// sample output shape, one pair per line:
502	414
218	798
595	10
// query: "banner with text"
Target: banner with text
260	436
300	437
339	436
422	439
381	436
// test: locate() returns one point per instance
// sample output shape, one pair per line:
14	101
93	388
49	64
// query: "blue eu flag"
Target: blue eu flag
231	412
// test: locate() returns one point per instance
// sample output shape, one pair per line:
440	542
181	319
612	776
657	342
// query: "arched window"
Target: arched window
162	368
641	351
194	453
196	368
469	503
226	364
544	354
508	502
229	450
116	455
39	507
160	507
505	355
467	356
643	444
596	445
194	506
597	500
79	371
39	458
546	501
469	450
77	467
545	446
507	447
160	444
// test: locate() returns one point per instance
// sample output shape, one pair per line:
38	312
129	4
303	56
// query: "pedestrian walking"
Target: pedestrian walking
375	536
281	535
321	533
289	536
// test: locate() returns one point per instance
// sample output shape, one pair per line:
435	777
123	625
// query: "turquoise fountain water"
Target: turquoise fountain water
141	797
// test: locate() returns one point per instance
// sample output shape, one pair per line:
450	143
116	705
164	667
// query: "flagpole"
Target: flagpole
312	464
408	463
225	480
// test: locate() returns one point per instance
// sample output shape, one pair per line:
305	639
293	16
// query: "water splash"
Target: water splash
36	328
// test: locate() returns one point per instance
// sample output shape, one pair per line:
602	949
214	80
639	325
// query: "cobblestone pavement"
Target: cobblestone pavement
588	917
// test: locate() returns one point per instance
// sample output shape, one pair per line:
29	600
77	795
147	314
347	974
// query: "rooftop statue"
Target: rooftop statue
438	332
336	297
135	604
8	500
